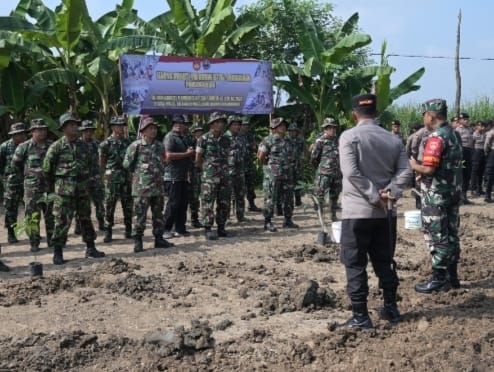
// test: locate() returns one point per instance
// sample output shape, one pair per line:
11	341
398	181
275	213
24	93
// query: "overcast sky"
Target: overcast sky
413	27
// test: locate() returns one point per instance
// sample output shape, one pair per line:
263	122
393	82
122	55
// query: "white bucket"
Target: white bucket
413	220
336	230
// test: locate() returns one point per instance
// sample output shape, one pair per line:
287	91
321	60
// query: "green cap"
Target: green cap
216	116
329	122
245	121
118	120
87	124
293	126
17	128
276	122
434	105
234	118
37	124
65	118
196	128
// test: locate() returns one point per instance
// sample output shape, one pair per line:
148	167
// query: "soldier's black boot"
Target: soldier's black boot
453	275
92	252
253	207
77	228
360	318
279	210
58	256
138	244
222	233
298	200
210	235
101	225
159	242
389	311
268	225
464	199
195	220
108	235
4	268
438	283
128	232
11	236
289	223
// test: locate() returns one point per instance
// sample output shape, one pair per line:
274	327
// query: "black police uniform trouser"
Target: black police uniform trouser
478	167
489	171
176	207
467	169
362	239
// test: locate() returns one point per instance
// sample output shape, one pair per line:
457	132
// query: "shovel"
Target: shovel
322	236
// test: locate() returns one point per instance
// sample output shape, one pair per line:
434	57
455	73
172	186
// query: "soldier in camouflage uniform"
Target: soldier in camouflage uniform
236	166
325	157
195	181
116	177
212	156
95	185
250	171
12	182
441	185
274	153
144	159
298	144
28	161
67	167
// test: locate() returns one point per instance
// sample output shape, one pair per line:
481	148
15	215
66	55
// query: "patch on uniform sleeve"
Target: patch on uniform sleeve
432	152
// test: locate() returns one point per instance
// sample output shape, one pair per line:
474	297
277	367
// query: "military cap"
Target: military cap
329	122
216	116
368	101
118	120
179	119
396	122
454	118
245	121
17	128
434	105
464	115
65	118
234	118
146	122
276	122
293	126
37	123
87	124
196	128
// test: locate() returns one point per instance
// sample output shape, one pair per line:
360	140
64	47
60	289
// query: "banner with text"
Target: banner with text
154	85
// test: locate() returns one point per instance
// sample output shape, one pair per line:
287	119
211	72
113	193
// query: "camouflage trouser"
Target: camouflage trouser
113	192
237	188
35	206
324	184
440	225
250	181
194	194
13	196
297	191
64	208
96	193
274	188
141	205
219	193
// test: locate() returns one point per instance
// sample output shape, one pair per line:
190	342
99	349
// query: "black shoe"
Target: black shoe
138	244
453	275
4	268
108	235
128	232
159	242
11	236
488	200
34	248
101	225
196	224
181	234
58	256
438	283
279	210
289	224
92	252
358	321
464	200
222	233
268	226
390	313
210	235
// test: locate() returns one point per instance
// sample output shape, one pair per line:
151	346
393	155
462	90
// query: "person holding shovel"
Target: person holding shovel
374	167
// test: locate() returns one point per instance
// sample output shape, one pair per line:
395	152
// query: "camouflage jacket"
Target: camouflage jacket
215	151
326	157
237	155
145	161
67	166
278	153
93	152
443	151
112	150
7	150
28	163
298	146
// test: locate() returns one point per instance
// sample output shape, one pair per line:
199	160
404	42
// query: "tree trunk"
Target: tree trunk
457	67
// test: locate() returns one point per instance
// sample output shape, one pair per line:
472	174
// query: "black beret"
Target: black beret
365	101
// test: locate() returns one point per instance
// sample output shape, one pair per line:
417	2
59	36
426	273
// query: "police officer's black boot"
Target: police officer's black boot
195	220
138	244
58	256
222	233
11	236
360	318
77	228
389	311
253	207
289	223
159	242
4	268
210	235
92	252
108	235
101	225
128	232
453	275
268	225
438	283
279	210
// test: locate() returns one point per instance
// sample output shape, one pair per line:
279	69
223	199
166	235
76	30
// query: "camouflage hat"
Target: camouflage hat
179	119
196	128
434	105
245	121
87	124
118	120
234	118
146	122
293	126
37	123
329	122
17	128
276	122
216	116
65	118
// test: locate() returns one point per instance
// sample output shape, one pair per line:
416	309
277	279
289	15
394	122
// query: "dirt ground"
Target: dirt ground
257	301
